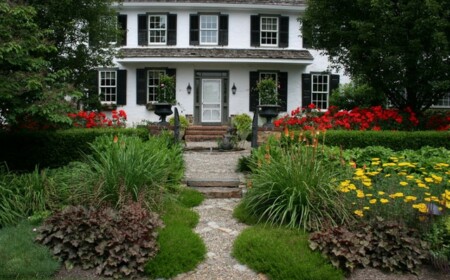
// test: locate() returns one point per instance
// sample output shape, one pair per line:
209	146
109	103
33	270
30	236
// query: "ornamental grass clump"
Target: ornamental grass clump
128	168
296	188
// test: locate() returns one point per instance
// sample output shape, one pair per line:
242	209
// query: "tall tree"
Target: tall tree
29	92
400	47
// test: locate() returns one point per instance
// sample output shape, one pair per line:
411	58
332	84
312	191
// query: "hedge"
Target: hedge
22	151
396	140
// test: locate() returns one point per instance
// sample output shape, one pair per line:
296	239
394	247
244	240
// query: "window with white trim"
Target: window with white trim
443	102
157	26
269	31
153	78
320	90
107	86
209	29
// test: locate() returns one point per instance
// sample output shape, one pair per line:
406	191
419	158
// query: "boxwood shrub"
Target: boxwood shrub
396	140
23	150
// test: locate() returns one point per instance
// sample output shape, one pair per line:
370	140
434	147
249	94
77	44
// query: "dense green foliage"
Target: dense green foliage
23	150
181	249
29	92
116	243
282	254
400	48
381	244
21	258
355	94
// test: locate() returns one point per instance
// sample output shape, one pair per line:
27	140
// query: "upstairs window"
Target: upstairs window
209	29
156	29
157	26
153	78
269	31
107	87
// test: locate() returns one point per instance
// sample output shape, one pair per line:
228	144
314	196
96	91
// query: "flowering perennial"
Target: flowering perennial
86	119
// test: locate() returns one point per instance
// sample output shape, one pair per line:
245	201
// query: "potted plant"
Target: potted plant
268	100
166	97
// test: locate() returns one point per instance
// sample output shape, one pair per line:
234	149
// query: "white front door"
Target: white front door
211	96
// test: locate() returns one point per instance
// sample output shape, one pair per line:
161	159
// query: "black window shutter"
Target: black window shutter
171	30
223	30
283	90
121	87
334	83
254	31
194	30
284	32
254	95
306	90
142	30
93	84
141	86
122	22
171	72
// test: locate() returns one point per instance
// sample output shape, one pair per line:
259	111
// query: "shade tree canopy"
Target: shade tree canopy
401	48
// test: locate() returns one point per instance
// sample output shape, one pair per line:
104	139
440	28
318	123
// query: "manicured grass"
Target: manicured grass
282	254
242	215
181	249
21	258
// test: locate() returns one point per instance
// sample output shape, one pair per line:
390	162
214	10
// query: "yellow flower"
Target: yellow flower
344	183
442	165
375	159
422	207
389	164
422	185
427	199
433	198
359	194
402	173
384	200
410	177
352	187
403	183
427	193
359	172
406	164
369	195
410	198
367	183
437	179
375	163
381	193
387	175
358	213
366	207
395	195
429	180
373	201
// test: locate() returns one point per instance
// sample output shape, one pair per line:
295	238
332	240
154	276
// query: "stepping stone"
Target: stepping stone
223	183
219	192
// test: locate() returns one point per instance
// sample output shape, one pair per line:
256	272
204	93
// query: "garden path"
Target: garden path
217	227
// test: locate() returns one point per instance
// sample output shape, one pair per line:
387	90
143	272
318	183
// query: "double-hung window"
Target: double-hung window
157	26
209	29
320	90
443	102
269	31
107	86
153	81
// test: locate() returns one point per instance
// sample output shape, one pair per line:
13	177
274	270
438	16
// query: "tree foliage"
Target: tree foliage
401	47
45	58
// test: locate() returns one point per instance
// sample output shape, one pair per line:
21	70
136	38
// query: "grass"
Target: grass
181	249
282	254
21	258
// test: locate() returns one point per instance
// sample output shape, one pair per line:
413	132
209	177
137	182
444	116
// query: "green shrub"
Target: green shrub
243	125
21	258
183	121
25	149
116	243
281	254
438	236
352	95
190	198
181	250
242	215
297	189
381	244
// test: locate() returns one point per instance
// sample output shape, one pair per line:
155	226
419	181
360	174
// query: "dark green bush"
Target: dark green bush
396	140
25	149
116	243
381	244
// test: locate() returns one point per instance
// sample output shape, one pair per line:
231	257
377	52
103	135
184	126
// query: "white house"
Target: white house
217	51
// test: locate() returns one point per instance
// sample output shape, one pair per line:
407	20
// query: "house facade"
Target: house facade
217	51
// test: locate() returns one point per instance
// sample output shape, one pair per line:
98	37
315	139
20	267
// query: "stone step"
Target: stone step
205	132
207	127
208	183
219	192
201	138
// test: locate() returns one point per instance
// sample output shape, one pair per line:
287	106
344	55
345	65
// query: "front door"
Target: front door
211	96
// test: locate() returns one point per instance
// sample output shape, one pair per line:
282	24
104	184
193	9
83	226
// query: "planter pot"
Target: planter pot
269	112
163	110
